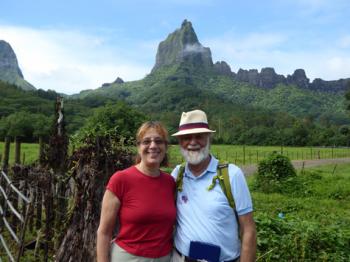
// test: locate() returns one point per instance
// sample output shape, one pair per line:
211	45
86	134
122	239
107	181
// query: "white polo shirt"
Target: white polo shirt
206	216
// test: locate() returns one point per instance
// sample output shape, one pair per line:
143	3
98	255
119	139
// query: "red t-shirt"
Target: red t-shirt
147	213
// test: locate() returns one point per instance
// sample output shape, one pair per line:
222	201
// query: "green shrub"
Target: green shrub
276	174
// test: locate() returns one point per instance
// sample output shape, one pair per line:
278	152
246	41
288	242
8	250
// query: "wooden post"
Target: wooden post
41	149
243	154
21	247
332	151
310	152
17	150
49	212
39	204
5	162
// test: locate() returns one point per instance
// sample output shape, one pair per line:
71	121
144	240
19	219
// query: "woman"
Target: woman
142	197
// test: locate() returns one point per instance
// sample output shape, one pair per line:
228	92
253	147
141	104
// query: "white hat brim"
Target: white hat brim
193	131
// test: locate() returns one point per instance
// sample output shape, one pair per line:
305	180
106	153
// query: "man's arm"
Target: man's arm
248	237
109	211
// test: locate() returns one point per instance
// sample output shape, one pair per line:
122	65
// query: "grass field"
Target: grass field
238	154
243	155
29	152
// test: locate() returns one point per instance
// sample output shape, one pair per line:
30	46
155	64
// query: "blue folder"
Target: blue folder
207	251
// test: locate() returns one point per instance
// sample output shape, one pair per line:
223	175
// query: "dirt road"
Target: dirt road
251	169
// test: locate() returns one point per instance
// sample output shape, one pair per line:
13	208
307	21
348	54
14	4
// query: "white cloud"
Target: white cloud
194	48
69	61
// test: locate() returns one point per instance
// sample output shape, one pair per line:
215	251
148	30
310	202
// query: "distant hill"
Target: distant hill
184	77
9	69
14	99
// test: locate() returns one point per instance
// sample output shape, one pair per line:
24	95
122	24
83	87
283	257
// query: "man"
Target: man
204	215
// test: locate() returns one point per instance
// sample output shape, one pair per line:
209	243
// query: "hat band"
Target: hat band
193	125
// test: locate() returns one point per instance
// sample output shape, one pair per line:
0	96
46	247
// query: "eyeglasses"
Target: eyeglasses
147	142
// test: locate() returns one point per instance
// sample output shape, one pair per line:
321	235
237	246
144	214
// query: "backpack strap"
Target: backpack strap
225	184
180	176
226	187
222	176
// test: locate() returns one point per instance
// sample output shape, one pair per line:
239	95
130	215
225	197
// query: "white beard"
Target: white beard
195	157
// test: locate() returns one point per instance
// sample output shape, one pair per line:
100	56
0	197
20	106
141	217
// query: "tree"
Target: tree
18	125
115	120
347	95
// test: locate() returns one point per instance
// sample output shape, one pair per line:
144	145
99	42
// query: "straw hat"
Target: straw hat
193	122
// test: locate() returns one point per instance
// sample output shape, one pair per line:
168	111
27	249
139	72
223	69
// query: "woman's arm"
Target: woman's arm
109	211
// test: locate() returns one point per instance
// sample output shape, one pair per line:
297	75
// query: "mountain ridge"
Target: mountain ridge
182	51
9	69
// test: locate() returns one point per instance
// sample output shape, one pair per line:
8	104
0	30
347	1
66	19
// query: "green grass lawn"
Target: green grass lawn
29	152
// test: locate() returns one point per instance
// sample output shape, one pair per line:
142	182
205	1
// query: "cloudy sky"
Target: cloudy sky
72	45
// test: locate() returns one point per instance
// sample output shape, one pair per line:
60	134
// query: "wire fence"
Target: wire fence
246	155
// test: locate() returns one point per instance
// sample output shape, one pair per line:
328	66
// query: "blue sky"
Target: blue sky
74	45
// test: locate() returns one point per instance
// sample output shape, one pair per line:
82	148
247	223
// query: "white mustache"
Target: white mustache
193	147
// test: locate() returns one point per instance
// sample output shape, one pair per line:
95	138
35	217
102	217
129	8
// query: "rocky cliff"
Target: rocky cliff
9	69
182	47
268	78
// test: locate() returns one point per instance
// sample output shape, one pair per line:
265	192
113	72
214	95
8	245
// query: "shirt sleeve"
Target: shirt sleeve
175	172
240	191
116	185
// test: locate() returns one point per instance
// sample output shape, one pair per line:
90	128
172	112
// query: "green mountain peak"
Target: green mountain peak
183	48
9	69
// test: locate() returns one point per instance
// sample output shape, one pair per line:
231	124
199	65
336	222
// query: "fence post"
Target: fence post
332	151
17	150
20	249
5	161
243	154
311	153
